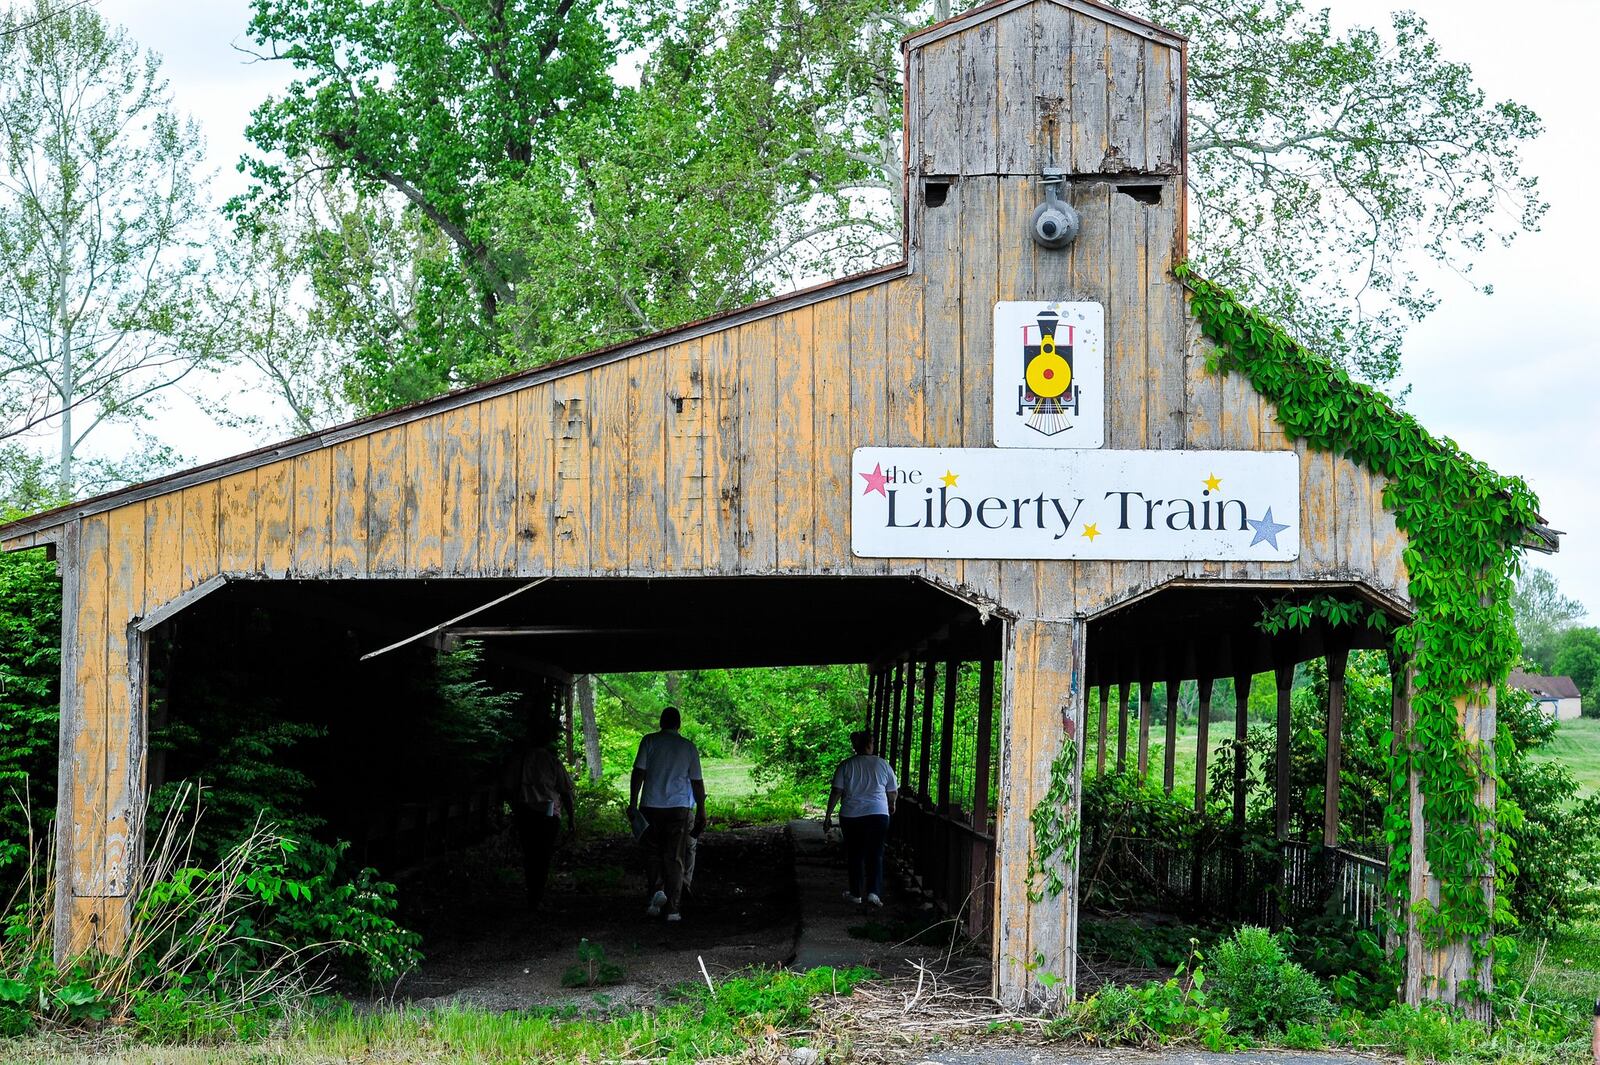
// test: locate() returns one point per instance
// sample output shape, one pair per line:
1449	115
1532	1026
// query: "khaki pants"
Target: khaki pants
667	848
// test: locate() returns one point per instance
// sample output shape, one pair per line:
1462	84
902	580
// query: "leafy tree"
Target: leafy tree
1319	161
102	272
1555	839
435	103
1542	614
1578	657
30	671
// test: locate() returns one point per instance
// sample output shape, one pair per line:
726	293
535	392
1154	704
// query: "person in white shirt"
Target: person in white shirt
864	790
667	789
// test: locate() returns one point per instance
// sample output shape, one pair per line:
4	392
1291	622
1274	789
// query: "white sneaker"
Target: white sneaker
674	917
873	900
657	902
852	898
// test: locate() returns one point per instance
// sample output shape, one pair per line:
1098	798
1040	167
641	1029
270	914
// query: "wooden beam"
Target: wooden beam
1241	739
891	749
925	732
1100	735
1122	726
947	735
459	617
1337	659
976	910
1169	770
1146	707
1283	673
907	716
1202	744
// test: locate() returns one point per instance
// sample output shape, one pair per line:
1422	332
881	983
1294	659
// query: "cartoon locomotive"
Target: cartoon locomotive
1048	393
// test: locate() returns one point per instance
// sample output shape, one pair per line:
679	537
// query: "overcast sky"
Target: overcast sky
1513	377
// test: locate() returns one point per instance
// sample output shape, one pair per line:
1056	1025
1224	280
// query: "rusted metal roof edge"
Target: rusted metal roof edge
35	529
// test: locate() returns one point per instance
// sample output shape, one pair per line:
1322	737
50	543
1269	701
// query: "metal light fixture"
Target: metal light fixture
1055	224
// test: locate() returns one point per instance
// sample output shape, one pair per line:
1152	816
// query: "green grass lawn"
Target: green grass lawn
1578	744
1183	762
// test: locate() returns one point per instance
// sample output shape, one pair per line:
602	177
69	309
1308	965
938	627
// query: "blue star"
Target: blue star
1266	529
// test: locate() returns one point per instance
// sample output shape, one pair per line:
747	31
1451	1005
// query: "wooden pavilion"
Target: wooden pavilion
693	498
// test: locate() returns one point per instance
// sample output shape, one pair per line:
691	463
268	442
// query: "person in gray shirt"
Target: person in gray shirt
668	791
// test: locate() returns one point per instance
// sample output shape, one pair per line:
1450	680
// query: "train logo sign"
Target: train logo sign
1049	374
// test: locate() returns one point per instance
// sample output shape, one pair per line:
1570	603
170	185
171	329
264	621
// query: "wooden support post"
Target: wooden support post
1202	743
977	908
947	734
872	706
886	681
891	750
907	716
1337	659
1399	739
1283	673
1147	704
572	729
1174	689
925	734
1100	733
1035	952
1122	726
1241	740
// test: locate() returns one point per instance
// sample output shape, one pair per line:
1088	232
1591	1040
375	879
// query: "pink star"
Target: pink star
875	481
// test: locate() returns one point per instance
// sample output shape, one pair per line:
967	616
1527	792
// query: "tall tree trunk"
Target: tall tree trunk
591	731
69	385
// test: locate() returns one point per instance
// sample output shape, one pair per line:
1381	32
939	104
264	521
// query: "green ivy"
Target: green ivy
1289	614
1055	828
1464	524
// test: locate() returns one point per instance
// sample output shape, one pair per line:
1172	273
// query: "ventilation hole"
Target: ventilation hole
677	404
934	192
1145	194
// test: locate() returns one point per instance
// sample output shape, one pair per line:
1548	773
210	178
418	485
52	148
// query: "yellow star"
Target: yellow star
1213	483
1091	531
949	479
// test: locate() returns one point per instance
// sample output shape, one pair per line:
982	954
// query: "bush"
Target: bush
1262	990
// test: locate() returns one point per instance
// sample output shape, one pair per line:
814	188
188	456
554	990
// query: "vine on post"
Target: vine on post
1464	524
1055	828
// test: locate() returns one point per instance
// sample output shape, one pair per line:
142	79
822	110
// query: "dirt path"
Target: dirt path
485	949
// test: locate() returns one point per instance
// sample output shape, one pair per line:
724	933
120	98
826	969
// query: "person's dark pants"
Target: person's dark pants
864	838
538	833
668	843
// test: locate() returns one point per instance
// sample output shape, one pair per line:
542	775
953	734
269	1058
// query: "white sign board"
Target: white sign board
1230	506
1049	374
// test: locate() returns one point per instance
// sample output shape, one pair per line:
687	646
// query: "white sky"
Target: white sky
1513	377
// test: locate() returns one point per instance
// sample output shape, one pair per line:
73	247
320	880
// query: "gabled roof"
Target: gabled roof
41	523
1543	686
1092	8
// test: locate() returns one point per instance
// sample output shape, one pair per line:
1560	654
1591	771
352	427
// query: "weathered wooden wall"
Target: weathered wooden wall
729	452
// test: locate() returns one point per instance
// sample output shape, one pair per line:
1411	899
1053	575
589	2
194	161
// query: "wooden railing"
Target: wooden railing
953	859
1216	874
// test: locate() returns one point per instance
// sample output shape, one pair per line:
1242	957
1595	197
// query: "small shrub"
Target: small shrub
592	970
1262	990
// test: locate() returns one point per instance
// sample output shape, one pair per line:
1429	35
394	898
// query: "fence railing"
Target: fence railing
953	858
1219	874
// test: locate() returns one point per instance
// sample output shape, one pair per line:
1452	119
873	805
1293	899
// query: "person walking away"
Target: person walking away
668	790
864	790
540	791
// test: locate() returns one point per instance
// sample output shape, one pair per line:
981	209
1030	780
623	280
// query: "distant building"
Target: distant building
1558	696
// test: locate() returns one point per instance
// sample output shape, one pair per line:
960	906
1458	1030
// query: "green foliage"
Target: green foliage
1056	827
1578	657
1323	158
104	229
1296	613
1556	839
1543	615
1150	1015
30	673
1464	525
696	1025
592	969
1262	990
1135	943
